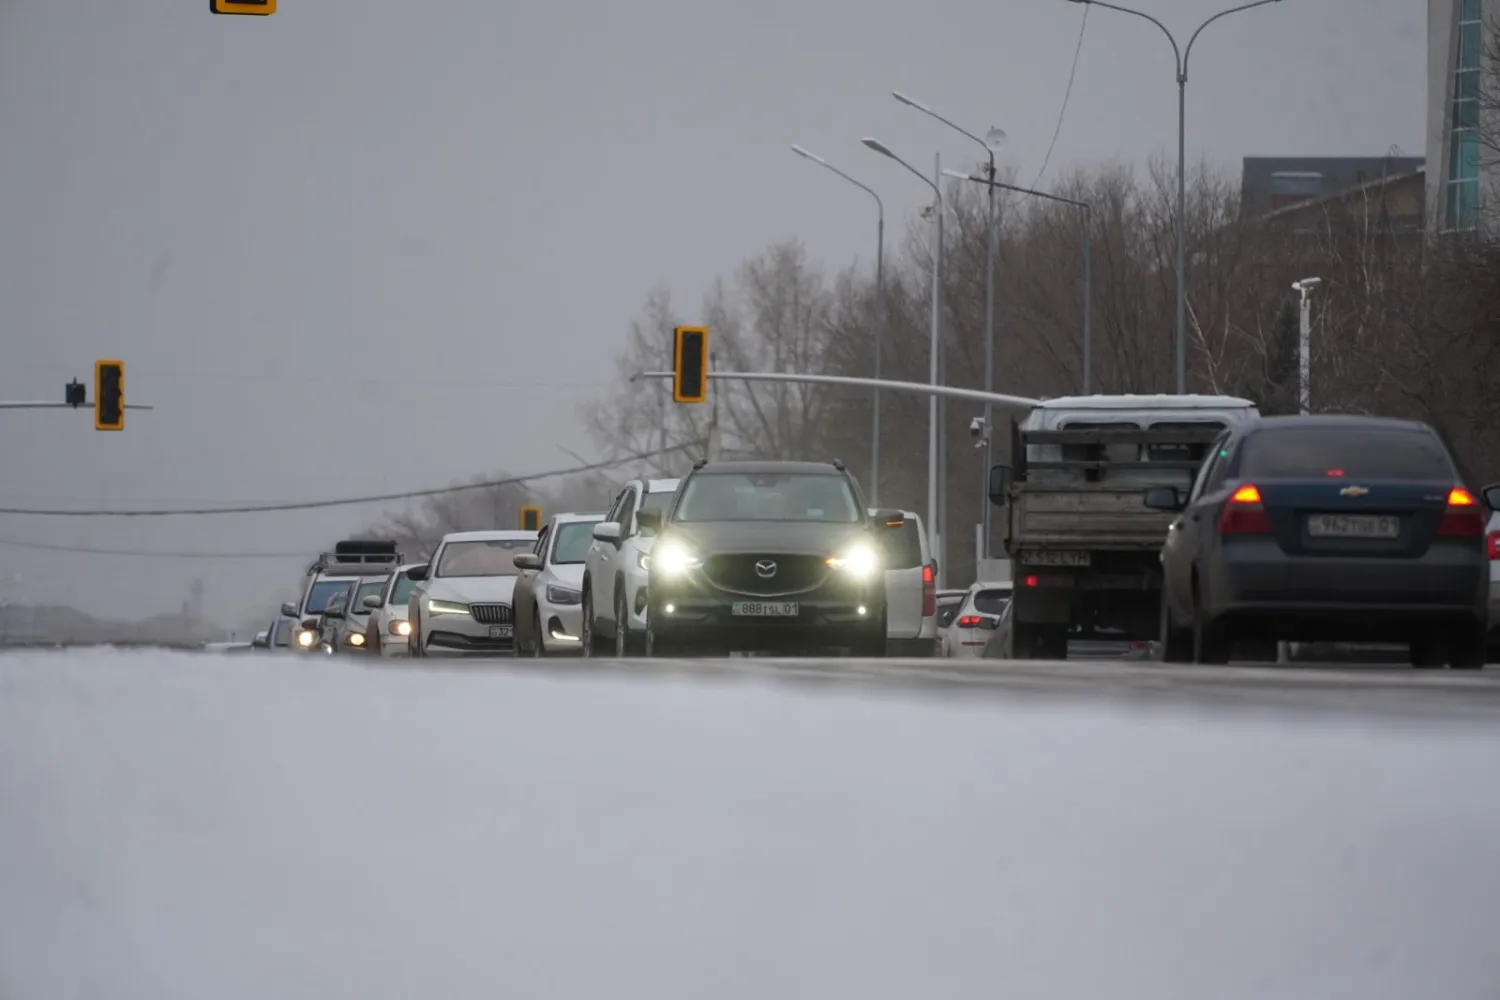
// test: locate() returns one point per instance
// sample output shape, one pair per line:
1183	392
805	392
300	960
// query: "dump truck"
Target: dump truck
1086	550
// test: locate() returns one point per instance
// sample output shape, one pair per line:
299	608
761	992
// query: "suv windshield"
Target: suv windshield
491	557
572	542
1352	452
320	594
401	592
769	496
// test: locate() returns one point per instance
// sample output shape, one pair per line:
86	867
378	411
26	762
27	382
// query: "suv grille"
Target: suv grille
491	614
794	573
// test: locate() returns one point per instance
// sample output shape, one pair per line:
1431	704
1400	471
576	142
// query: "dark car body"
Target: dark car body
766	585
1325	529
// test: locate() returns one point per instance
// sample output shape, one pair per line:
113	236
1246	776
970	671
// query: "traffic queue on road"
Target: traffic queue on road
1185	528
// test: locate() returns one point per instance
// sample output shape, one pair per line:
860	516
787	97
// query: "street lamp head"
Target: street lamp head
878	146
995	139
911	102
1306	285
959	175
804	153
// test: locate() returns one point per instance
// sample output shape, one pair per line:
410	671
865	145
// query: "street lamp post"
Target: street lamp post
880	318
1088	266
1181	55
992	143
932	365
1304	290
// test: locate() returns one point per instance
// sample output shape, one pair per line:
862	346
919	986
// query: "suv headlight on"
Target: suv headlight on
446	608
671	558
563	595
643	561
306	637
400	627
859	560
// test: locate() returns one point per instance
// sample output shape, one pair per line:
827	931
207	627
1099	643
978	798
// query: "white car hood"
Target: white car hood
473	589
570	575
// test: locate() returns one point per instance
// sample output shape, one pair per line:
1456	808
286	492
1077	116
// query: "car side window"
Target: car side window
1209	469
540	548
616	507
627	514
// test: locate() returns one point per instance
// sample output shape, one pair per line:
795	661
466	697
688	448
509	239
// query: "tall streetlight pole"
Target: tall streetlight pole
880	319
1088	266
936	183
1181	55
992	143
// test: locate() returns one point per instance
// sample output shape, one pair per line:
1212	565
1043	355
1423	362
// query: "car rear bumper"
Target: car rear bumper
1376	596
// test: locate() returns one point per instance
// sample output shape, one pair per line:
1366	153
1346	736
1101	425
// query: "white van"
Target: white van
910	590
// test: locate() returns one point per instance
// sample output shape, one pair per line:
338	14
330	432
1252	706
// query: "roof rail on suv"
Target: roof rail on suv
357	556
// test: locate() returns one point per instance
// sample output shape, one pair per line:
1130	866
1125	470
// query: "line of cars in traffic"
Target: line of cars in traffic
732	557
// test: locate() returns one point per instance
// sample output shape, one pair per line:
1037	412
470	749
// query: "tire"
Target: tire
660	647
587	642
625	645
1466	648
1176	643
870	647
1212	641
1429	650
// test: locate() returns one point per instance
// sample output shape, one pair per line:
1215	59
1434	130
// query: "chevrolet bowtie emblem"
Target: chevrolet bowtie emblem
1353	491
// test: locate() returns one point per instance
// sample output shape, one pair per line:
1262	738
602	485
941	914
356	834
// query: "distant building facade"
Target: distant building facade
1460	171
1271	183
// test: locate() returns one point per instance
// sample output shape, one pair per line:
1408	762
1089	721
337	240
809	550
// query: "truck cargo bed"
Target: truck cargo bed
1085	516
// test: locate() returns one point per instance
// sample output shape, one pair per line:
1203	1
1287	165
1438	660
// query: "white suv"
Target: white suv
616	570
910	590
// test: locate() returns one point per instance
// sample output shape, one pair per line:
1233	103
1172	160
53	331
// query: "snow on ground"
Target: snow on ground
174	826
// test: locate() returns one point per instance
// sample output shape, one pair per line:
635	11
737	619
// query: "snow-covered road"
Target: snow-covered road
222	828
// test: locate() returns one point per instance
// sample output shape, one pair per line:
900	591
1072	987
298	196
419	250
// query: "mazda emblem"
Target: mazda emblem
765	569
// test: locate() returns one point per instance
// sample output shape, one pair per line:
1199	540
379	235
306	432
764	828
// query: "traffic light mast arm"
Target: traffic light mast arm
884	385
48	404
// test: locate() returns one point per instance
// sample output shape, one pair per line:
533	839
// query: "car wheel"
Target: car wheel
1211	639
1176	643
1466	648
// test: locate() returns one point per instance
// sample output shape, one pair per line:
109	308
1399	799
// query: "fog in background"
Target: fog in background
363	246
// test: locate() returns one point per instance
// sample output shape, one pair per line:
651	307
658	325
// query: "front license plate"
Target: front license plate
764	609
502	631
1034	558
1353	526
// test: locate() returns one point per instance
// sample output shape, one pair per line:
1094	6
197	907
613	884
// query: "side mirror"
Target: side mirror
1167	498
311	624
527	560
998	485
417	574
889	517
608	531
1491	496
648	520
333	613
373	601
289	609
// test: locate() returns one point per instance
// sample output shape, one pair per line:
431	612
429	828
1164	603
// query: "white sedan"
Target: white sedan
388	629
549	591
461	603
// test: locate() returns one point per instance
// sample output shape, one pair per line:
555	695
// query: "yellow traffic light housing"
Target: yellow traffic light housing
531	519
689	364
259	7
109	395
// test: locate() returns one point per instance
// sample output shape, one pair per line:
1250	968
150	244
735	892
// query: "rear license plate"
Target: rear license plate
1034	558
764	609
502	631
1353	526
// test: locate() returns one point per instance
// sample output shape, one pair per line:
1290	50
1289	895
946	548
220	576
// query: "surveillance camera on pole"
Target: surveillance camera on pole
979	430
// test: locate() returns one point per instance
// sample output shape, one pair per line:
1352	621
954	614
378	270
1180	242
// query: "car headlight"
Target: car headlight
446	608
857	560
563	595
399	627
306	638
671	558
356	639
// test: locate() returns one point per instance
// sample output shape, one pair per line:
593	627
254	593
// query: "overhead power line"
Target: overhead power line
267	508
1067	93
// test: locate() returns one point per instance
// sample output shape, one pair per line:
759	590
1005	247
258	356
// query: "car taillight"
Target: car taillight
970	621
1463	518
1243	514
1492	544
929	591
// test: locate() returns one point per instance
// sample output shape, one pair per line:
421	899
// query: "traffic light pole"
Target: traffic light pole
884	385
53	405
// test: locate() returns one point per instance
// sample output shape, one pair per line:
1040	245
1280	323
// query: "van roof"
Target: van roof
1157	401
490	536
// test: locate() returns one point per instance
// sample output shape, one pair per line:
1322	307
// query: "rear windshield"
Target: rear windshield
991	602
903	546
1352	452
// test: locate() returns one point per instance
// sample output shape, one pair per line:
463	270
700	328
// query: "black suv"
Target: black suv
767	557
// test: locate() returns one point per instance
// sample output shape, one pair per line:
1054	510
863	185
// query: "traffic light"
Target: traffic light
261	7
109	395
690	364
531	519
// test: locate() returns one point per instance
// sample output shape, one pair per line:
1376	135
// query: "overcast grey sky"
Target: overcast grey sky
368	245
